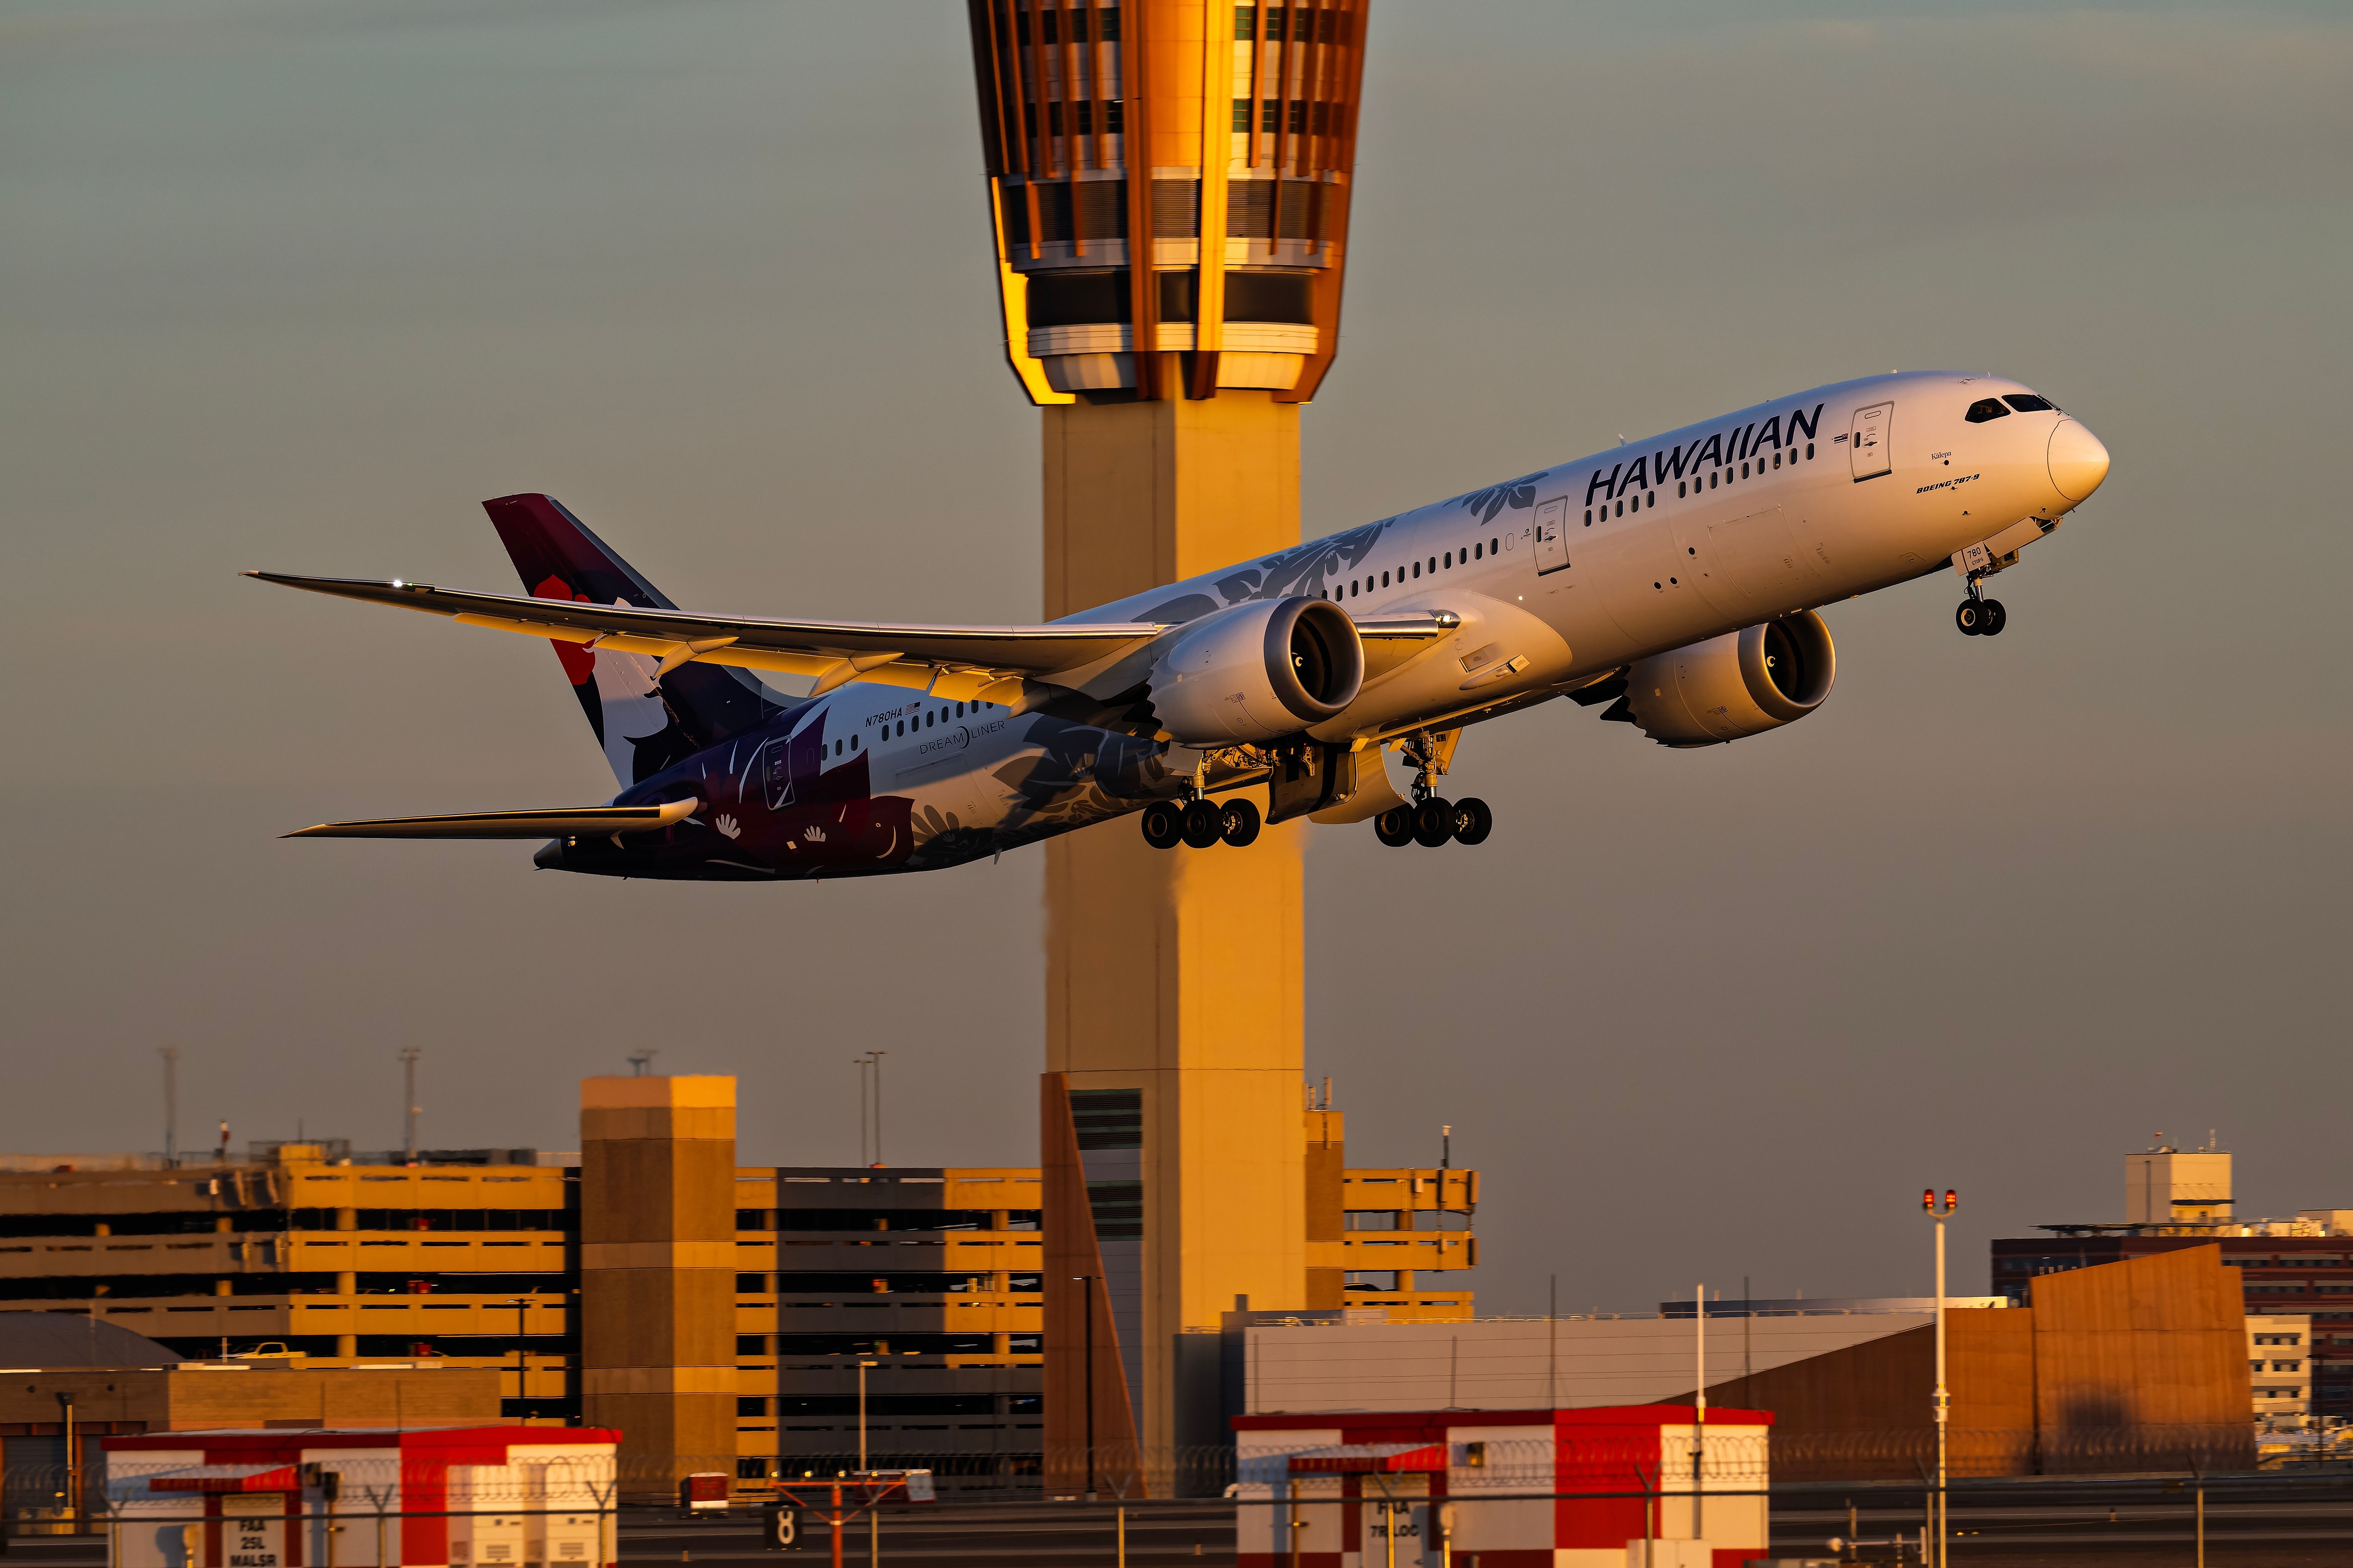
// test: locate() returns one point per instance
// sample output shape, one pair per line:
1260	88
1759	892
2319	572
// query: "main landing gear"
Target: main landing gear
1199	823
1980	617
1432	820
1435	821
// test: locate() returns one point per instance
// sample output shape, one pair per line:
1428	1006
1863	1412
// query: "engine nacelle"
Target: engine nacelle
1742	683
1257	672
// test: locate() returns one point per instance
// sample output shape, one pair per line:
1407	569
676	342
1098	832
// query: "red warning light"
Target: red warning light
1928	1200
1952	1200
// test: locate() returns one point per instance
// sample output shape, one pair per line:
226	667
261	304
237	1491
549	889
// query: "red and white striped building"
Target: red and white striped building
1596	1488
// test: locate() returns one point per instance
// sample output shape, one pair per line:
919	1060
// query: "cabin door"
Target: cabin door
1867	448
1552	535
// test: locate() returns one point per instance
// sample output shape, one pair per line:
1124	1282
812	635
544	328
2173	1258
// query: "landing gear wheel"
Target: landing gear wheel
1433	822
1970	618
1203	824
1163	824
1996	618
1394	826
1239	823
1473	821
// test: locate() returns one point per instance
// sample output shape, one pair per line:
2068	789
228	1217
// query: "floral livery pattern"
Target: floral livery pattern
1303	570
1519	494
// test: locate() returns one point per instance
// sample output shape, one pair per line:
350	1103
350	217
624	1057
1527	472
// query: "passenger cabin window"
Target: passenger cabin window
2026	401
1986	408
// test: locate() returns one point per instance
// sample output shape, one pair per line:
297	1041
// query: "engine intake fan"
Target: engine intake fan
1742	683
1256	672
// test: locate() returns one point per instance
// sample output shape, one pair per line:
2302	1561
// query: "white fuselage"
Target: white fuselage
1759	526
1558	578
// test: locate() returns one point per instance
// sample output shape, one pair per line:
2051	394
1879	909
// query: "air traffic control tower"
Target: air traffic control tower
1169	188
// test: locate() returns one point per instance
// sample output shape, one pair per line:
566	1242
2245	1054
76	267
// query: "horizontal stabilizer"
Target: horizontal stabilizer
599	819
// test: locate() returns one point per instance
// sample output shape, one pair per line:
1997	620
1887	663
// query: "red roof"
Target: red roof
1380	1426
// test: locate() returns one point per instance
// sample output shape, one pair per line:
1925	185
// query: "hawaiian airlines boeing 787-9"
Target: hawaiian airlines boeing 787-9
1673	580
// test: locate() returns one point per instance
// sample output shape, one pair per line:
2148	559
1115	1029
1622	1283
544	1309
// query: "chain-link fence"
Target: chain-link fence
159	1511
1121	1472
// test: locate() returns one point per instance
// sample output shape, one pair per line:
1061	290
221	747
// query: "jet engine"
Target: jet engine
1742	683
1256	672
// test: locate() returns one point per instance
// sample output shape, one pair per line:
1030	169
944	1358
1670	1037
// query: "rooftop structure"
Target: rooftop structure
2300	1266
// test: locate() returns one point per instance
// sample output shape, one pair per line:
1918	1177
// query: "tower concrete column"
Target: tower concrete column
657	1273
1175	975
1168	186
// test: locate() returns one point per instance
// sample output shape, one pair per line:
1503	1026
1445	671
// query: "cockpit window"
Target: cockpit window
1986	408
2026	401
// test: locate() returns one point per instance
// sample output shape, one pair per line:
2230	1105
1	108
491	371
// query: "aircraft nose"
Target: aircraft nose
2078	462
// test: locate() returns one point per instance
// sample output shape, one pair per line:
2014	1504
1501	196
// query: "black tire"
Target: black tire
1970	618
1473	821
1996	618
1394	826
1433	822
1203	824
1163	824
1239	823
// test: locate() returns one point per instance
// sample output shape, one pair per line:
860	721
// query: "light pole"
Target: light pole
861	1415
1089	1281
1944	1399
1699	1415
522	1304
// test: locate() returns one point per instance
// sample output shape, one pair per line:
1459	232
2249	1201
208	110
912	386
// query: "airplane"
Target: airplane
1673	583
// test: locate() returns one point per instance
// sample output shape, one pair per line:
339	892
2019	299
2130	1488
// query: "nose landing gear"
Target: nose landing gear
1980	617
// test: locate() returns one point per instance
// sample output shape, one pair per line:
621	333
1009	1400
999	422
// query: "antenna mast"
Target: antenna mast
171	1055
408	1055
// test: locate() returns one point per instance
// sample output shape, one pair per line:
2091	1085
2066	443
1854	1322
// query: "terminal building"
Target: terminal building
2295	1273
757	1289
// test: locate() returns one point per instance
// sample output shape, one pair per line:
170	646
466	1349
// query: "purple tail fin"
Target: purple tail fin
644	726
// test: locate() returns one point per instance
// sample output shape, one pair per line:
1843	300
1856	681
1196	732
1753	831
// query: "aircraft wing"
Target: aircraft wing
956	662
598	819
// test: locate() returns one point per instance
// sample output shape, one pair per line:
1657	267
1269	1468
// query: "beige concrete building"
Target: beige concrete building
658	1262
2279	1366
2163	1185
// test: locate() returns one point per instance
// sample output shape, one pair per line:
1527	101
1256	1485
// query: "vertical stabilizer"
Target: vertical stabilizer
643	725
